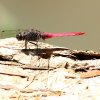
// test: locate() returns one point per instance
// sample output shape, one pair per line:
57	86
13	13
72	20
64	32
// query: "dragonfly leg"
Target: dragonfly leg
36	44
26	42
33	43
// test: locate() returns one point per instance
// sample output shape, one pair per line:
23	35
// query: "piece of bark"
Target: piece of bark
52	71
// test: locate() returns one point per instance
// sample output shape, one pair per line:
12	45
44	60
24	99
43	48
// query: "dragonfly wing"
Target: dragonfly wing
10	33
7	33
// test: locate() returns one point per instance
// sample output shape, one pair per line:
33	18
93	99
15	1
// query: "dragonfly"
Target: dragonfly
35	35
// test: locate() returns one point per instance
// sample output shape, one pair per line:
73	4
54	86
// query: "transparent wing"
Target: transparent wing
9	33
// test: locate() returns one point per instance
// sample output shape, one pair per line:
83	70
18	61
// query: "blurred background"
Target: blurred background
55	16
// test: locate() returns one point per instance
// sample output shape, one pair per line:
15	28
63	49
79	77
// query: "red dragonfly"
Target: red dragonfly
36	35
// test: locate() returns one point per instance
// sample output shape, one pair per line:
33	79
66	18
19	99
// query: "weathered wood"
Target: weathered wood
48	71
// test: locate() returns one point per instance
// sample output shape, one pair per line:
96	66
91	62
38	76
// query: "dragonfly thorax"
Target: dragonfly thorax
29	36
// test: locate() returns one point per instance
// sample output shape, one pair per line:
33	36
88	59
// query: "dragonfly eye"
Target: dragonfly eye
19	36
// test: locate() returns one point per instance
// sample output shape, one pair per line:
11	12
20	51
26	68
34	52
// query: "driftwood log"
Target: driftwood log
47	72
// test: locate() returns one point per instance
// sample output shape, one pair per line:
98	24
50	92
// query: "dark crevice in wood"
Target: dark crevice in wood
86	57
80	70
4	59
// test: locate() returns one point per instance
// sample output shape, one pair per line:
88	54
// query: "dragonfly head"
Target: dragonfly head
19	36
